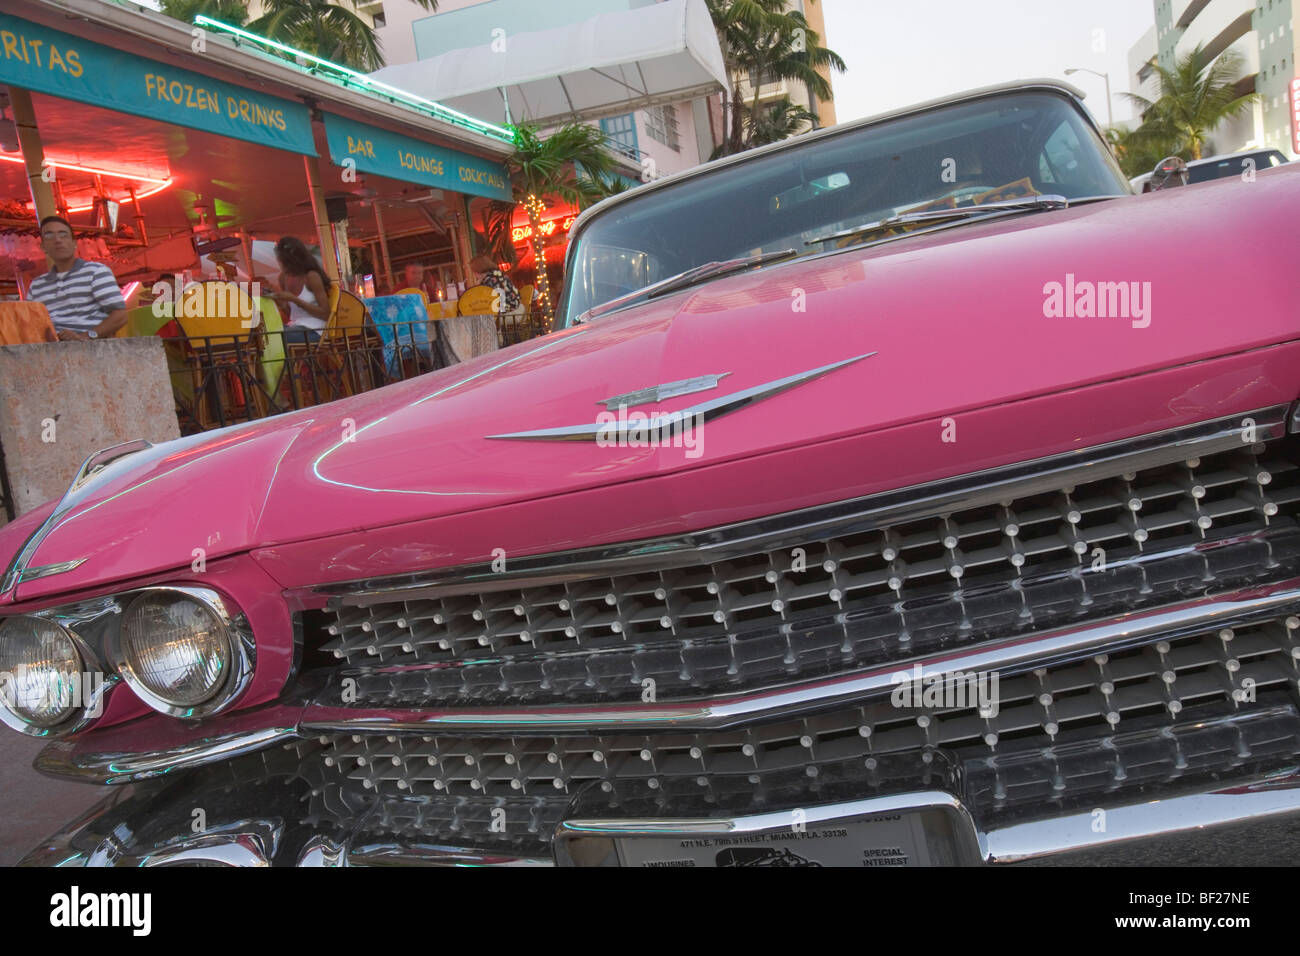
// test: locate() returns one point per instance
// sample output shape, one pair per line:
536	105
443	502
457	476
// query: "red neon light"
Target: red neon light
92	169
159	184
123	202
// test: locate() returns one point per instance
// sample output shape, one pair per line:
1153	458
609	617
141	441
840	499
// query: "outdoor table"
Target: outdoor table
402	323
25	323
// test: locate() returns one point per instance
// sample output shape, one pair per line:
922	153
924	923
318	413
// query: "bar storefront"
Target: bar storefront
181	156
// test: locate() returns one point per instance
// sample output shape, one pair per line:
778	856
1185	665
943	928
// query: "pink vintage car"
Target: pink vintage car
905	493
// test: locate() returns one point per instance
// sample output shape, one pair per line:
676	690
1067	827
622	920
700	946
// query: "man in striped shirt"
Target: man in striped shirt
82	297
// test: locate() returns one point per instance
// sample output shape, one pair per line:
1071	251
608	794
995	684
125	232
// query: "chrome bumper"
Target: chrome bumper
253	819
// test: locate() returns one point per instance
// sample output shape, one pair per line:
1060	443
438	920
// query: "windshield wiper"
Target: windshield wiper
870	229
682	280
712	269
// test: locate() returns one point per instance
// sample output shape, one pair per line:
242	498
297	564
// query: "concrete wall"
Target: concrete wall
62	402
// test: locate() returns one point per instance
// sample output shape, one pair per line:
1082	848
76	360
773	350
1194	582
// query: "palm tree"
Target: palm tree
1138	150
773	122
763	41
734	20
1194	97
569	164
498	227
234	12
791	51
323	28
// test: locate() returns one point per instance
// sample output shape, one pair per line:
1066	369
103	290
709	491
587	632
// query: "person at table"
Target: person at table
304	286
413	277
82	297
487	274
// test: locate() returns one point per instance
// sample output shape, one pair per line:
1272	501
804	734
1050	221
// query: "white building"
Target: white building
654	139
1142	77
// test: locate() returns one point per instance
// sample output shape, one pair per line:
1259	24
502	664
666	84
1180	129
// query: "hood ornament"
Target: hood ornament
703	411
659	393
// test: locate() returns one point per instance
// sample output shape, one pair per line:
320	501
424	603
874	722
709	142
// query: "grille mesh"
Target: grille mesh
1153	715
843	601
1097	695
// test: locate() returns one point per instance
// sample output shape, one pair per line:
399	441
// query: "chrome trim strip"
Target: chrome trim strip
1249	800
904	504
968	847
69	759
1155	818
703	412
727	711
49	570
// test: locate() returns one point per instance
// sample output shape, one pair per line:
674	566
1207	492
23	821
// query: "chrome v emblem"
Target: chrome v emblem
659	393
702	412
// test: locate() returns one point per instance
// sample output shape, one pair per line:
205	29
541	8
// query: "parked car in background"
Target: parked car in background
1245	163
906	493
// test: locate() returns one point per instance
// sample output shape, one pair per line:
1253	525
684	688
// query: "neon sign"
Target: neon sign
549	227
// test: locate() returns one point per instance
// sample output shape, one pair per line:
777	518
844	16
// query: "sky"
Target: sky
901	52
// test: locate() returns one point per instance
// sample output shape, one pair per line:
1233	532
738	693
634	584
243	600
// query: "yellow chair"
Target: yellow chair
341	354
223	353
413	291
526	294
477	301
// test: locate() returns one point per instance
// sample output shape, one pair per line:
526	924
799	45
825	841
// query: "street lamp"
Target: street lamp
1110	117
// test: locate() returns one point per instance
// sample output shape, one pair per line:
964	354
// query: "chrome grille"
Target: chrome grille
844	600
1228	667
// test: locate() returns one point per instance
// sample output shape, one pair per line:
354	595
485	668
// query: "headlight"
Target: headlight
41	673
180	652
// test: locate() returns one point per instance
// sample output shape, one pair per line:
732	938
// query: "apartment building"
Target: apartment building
1143	78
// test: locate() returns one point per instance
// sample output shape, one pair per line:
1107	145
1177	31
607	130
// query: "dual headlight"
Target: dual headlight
181	650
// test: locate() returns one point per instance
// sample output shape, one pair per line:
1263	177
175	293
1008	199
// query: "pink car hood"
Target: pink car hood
953	321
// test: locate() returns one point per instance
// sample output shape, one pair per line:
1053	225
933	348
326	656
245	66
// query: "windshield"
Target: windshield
988	150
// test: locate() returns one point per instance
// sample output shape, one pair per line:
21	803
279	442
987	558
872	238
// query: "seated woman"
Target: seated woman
300	272
487	274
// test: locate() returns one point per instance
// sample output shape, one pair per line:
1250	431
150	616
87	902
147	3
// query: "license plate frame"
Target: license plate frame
912	829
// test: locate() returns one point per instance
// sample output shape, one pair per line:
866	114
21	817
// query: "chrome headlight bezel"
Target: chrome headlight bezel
94	626
241	652
91	705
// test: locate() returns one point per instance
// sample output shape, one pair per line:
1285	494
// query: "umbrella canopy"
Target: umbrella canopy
610	64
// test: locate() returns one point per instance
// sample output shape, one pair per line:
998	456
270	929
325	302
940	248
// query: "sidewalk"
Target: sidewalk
33	806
